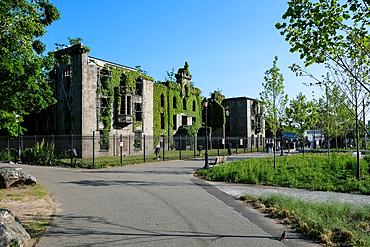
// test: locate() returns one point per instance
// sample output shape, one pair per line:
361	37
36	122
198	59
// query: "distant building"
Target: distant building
243	119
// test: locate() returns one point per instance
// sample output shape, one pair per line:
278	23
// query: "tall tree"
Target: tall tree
302	114
23	88
274	100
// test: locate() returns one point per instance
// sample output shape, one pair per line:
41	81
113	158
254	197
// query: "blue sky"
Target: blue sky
228	44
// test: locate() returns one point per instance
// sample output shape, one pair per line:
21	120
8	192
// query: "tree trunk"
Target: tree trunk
274	150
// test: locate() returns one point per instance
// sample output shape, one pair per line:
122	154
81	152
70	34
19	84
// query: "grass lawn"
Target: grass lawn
331	223
309	171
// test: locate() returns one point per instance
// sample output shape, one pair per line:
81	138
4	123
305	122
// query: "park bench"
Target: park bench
219	160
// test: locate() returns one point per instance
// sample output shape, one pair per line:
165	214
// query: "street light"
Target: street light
205	105
18	158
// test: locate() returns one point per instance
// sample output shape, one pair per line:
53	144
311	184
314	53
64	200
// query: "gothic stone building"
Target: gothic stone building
108	99
177	106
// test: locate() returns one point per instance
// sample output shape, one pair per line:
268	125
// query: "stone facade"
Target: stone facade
79	103
243	119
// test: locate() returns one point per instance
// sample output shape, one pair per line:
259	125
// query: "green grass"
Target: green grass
102	162
36	228
309	171
39	191
340	223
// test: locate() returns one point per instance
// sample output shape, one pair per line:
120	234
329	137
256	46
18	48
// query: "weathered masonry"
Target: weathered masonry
108	99
243	119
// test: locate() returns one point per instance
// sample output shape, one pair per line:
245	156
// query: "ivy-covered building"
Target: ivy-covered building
101	97
177	106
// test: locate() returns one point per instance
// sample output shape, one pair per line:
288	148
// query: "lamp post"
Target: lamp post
205	105
18	158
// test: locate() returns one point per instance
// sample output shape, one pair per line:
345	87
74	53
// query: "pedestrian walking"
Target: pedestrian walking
229	149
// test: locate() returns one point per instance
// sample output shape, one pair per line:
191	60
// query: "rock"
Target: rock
15	176
354	154
11	228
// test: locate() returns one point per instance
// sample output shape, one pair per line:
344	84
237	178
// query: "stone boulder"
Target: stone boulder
11	228
15	176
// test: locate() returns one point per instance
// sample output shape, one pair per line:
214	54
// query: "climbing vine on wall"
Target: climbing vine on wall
169	90
114	82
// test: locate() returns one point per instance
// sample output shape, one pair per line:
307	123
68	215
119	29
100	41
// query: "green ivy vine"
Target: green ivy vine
170	90
114	83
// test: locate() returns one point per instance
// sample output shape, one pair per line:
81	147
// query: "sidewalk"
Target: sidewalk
237	190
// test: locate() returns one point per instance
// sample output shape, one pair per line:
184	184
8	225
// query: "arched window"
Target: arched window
174	102
194	105
184	104
162	100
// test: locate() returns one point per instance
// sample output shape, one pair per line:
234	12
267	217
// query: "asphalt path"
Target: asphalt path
153	204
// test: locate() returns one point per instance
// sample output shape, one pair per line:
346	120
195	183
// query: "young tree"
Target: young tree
23	88
302	114
274	100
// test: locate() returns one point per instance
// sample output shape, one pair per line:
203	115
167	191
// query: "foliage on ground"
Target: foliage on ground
330	223
310	171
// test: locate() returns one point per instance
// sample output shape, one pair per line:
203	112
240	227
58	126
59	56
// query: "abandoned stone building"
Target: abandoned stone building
108	107
243	119
113	101
178	106
101	98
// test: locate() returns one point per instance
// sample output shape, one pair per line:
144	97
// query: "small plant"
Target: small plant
5	154
14	243
40	155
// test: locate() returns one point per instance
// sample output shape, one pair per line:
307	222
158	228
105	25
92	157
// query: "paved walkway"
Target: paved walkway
154	204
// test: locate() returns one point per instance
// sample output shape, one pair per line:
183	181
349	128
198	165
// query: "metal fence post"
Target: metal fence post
236	151
144	148
251	145
257	143
93	148
163	146
244	143
179	146
71	147
218	146
120	147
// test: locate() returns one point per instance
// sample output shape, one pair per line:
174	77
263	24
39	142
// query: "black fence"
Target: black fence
99	145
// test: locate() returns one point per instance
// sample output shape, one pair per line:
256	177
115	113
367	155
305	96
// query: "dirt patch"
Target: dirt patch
30	204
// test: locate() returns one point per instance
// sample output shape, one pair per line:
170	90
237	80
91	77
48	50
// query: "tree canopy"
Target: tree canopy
23	87
333	32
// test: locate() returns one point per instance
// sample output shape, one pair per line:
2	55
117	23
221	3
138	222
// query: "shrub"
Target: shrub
40	155
5	154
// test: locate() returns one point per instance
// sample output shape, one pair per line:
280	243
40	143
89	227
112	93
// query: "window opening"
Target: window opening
174	102
162	100
174	118
184	120
138	112
184	104
138	140
128	105
104	142
194	105
162	120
